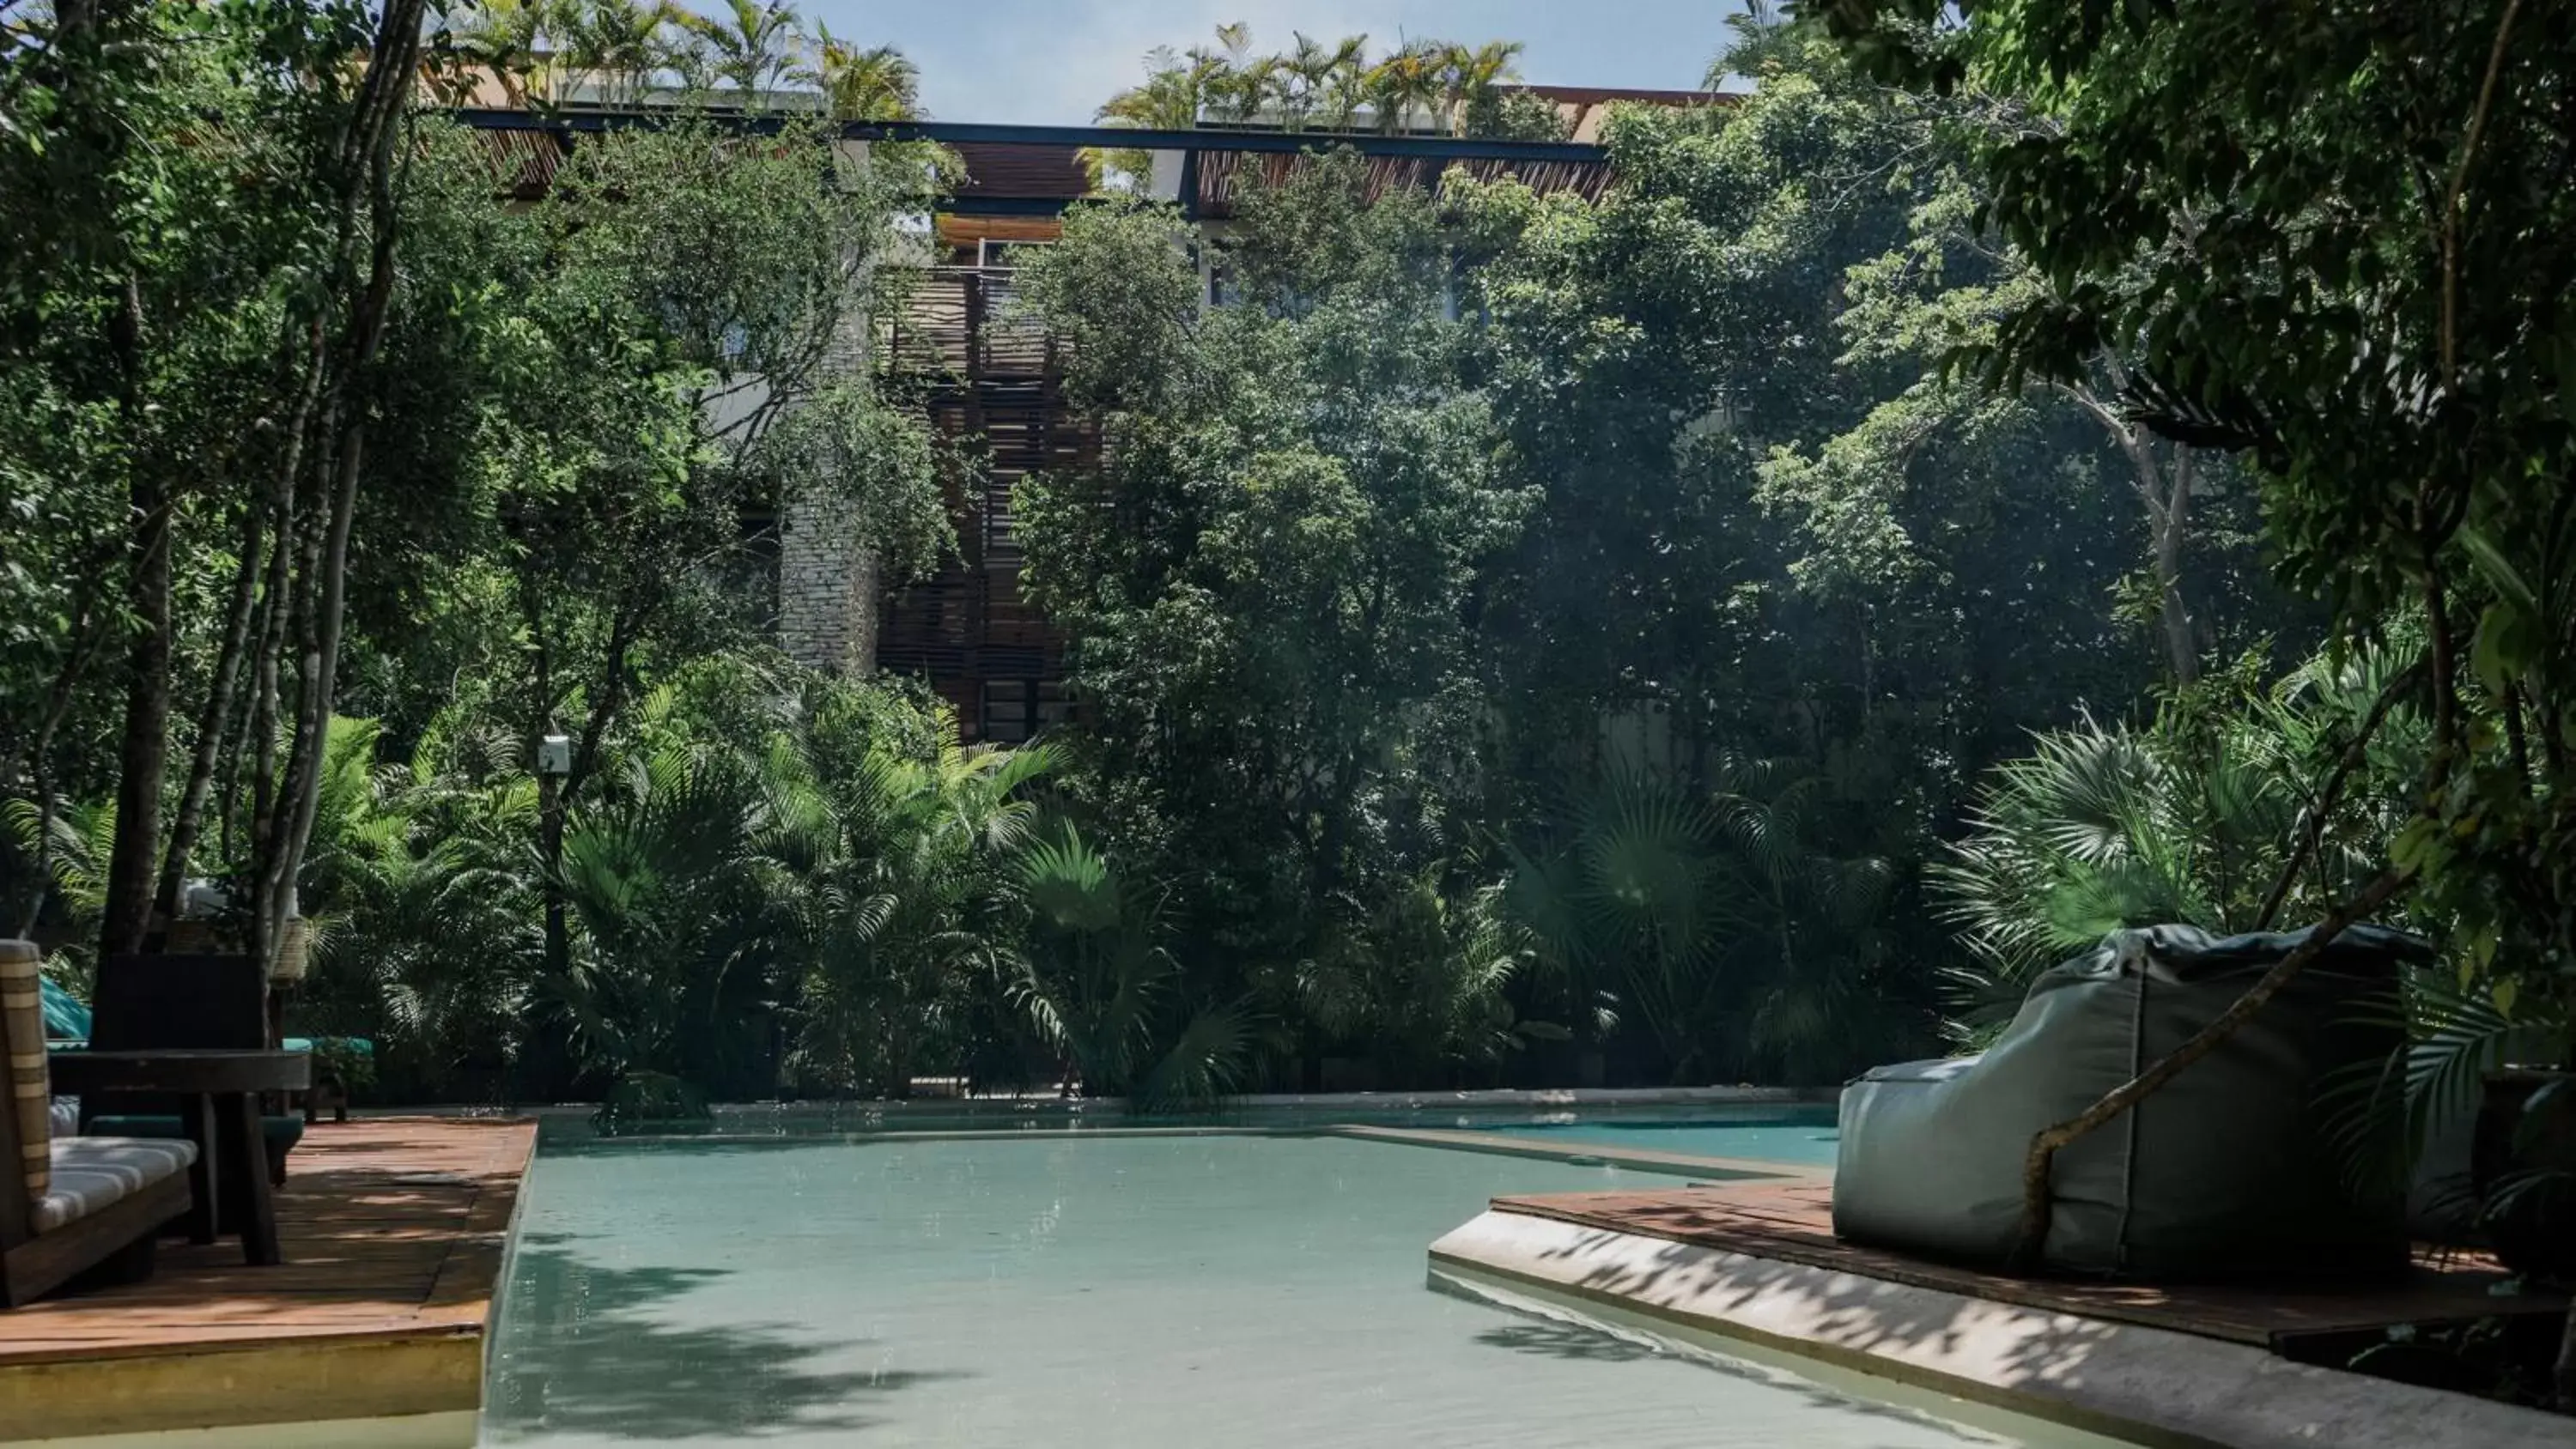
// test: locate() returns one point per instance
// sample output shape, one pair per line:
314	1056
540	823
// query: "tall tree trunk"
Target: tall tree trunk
278	613
2166	493
367	167
2182	650
301	634
276	619
214	720
147	683
324	661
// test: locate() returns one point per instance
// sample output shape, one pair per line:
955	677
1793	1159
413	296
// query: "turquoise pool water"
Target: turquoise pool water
1799	1135
1077	1291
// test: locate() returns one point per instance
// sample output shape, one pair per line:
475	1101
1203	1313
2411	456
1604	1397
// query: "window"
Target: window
1016	710
991	253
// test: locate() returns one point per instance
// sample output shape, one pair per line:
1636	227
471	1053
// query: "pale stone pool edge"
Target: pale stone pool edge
2149	1386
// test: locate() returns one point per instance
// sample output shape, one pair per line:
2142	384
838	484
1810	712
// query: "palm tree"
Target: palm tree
1423	978
2099	828
1475	82
622	45
1236	83
876	84
431	889
1628	901
508	42
68	844
1740	932
1173	97
1095	981
1809	938
1410	77
1300	75
1094	964
2189	820
1253	86
751	43
663	876
1346	84
894	869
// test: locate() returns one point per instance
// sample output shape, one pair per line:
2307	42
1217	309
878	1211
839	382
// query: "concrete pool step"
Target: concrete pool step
1756	1262
394	1230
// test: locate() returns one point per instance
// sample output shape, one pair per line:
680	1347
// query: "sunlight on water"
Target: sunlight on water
1193	1291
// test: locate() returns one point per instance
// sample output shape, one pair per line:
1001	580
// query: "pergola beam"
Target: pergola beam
1431	148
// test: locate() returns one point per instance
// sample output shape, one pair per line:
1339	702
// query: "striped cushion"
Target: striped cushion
92	1172
66	1116
22	1026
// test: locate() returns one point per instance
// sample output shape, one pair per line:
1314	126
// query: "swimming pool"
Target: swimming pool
1803	1135
1088	1290
1796	1133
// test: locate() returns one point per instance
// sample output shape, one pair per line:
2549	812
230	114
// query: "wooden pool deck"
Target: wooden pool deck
1792	1222
394	1230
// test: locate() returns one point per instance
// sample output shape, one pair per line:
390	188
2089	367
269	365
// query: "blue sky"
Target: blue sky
1052	61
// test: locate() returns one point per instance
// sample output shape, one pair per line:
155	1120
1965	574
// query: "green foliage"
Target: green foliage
1766	523
2191	819
2433	1086
1269	583
766	848
1097	983
1425	980
73	841
1733	506
423	884
1726	921
341	1059
902	894
2327	239
166	179
1496	621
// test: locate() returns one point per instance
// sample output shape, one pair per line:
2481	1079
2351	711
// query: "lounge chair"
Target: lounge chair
2227	1172
76	1202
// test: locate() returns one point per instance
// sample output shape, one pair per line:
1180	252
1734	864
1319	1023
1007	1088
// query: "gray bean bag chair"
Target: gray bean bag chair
2226	1172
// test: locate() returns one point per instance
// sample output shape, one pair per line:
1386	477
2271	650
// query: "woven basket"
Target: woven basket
22	1023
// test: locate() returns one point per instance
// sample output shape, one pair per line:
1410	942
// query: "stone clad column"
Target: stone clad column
827	582
827	586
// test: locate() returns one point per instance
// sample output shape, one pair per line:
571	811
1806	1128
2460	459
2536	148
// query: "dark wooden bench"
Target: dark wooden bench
184	1003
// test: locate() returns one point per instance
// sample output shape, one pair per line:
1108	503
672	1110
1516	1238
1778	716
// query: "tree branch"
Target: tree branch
2451	202
2322	813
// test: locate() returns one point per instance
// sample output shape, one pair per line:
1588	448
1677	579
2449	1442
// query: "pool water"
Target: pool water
1087	1291
1804	1136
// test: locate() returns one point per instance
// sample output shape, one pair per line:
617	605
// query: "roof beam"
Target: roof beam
1435	148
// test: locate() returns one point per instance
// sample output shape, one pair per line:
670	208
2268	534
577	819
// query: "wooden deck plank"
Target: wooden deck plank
1792	1221
394	1230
